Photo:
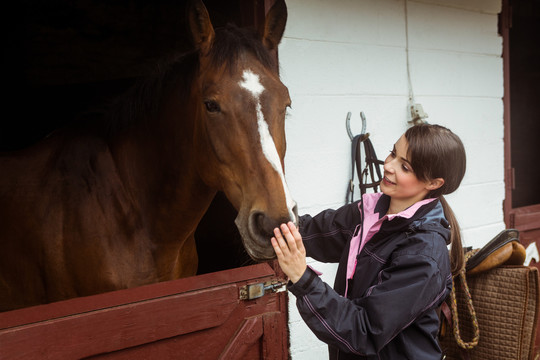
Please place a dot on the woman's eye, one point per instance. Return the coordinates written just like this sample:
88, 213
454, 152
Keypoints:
393, 153
405, 168
212, 106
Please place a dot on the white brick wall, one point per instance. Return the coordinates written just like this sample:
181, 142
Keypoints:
349, 55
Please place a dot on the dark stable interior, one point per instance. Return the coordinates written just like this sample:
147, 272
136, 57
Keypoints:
525, 101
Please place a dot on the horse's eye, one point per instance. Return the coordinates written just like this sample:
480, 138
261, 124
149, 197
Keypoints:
212, 106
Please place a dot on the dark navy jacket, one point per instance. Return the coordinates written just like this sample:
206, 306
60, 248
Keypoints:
401, 278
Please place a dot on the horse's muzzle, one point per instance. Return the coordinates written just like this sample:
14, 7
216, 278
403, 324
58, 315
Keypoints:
258, 232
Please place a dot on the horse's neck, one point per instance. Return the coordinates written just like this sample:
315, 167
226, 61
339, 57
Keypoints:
159, 172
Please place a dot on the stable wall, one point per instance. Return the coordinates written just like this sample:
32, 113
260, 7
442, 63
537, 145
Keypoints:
351, 55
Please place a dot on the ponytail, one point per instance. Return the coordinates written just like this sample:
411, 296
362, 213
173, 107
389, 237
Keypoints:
456, 248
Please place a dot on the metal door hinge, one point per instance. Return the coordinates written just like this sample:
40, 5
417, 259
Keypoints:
255, 291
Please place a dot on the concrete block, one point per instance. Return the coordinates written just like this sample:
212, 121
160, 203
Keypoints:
479, 236
481, 6
441, 28
478, 205
456, 74
342, 69
350, 21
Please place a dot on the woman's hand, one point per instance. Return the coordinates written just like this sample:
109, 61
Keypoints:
290, 251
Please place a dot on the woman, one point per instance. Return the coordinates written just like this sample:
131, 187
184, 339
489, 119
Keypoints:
394, 265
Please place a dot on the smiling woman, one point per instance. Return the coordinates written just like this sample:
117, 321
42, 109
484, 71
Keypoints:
394, 268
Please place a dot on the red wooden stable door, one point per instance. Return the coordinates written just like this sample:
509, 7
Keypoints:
203, 317
520, 30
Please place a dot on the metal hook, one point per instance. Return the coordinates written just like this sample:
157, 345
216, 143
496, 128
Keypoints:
348, 125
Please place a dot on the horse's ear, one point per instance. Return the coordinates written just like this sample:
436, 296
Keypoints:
274, 26
202, 31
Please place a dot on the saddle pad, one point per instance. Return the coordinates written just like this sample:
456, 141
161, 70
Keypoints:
506, 303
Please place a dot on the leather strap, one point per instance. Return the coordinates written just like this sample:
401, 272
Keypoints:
372, 168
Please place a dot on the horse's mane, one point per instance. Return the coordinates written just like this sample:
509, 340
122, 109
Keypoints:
231, 41
143, 100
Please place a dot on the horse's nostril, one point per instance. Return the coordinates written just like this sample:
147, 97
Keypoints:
263, 225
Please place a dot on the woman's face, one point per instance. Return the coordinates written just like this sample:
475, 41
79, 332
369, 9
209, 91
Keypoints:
400, 181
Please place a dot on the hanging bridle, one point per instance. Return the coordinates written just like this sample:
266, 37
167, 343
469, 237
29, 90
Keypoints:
371, 169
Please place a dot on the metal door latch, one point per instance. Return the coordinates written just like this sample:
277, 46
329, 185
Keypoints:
255, 291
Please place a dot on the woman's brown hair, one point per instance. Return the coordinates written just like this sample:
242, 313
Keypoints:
436, 152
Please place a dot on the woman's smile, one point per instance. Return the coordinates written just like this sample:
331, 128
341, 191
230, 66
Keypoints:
388, 182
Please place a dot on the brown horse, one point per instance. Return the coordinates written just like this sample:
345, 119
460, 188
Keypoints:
94, 210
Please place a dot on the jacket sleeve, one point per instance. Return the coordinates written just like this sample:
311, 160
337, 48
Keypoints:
409, 286
326, 234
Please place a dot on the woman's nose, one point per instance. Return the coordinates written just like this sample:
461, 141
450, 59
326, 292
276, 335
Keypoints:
388, 165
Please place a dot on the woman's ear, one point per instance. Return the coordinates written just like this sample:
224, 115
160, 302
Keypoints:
435, 184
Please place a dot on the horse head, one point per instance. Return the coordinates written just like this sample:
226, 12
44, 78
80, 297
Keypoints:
239, 133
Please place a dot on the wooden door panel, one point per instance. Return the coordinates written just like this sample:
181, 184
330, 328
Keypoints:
238, 338
111, 329
526, 218
249, 332
195, 318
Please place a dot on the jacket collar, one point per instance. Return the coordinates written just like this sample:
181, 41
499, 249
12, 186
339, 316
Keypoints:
427, 214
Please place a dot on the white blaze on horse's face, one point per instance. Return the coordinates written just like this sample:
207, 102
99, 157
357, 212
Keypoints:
250, 82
